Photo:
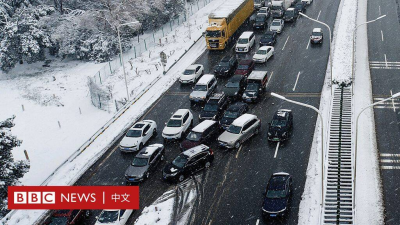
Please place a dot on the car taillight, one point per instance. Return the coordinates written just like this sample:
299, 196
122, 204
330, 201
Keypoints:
211, 152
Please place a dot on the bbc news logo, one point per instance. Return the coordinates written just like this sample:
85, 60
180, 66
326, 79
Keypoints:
73, 197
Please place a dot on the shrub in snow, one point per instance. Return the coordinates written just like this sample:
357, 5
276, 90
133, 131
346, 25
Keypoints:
10, 170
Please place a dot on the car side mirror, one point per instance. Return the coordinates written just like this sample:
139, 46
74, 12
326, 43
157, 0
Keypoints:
165, 123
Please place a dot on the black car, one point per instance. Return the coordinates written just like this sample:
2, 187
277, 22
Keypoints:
235, 87
144, 163
260, 22
226, 66
300, 7
188, 162
290, 15
233, 112
277, 195
214, 107
269, 38
281, 127
204, 133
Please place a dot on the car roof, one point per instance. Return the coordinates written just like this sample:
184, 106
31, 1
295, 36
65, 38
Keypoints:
243, 119
276, 20
205, 79
278, 181
265, 47
269, 32
141, 124
195, 150
201, 127
236, 106
246, 34
235, 78
317, 30
245, 62
281, 113
217, 96
257, 75
193, 67
264, 8
290, 9
179, 113
148, 150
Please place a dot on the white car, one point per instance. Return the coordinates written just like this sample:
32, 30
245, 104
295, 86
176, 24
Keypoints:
245, 41
263, 54
114, 216
308, 2
178, 125
265, 11
192, 74
277, 25
138, 135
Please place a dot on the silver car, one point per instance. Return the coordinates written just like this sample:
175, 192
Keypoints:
144, 163
203, 89
239, 131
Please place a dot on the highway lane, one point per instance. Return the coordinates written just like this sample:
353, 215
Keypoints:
237, 178
383, 44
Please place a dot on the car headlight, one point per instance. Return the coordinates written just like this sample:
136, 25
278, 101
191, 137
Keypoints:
236, 93
245, 49
214, 117
173, 174
190, 97
269, 133
226, 71
203, 97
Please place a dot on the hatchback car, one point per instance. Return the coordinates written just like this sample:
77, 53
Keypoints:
277, 25
226, 66
203, 133
239, 131
245, 67
203, 89
192, 74
138, 135
188, 162
214, 108
316, 36
260, 22
263, 54
235, 87
245, 42
144, 163
178, 125
114, 216
268, 39
277, 195
232, 113
281, 126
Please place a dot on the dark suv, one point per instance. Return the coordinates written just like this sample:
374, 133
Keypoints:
232, 113
203, 133
260, 22
214, 107
300, 7
281, 127
268, 39
144, 163
277, 195
226, 66
235, 87
188, 162
245, 67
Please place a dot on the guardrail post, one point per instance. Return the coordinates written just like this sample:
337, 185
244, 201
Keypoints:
145, 46
170, 25
162, 29
109, 64
154, 39
100, 78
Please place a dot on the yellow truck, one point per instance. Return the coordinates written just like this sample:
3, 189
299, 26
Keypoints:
225, 20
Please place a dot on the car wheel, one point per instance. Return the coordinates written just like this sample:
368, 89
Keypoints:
208, 164
154, 132
181, 178
237, 145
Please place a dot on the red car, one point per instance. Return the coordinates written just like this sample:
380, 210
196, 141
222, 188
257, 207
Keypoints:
67, 217
245, 67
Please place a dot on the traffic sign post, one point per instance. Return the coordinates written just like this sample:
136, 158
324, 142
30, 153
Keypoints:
163, 57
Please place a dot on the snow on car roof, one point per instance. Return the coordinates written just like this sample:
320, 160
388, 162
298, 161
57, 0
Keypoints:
193, 67
257, 75
290, 9
246, 34
201, 127
195, 150
205, 79
276, 20
179, 113
317, 30
138, 125
226, 9
243, 119
149, 150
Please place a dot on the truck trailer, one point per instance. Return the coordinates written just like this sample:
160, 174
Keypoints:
224, 21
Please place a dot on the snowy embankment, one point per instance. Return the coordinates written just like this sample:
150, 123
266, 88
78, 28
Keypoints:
369, 199
49, 145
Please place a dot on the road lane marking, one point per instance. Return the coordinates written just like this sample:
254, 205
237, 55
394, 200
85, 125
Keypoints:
384, 65
308, 44
382, 34
276, 150
258, 221
380, 10
389, 155
390, 167
386, 61
285, 43
319, 14
237, 154
297, 79
389, 161
270, 78
394, 108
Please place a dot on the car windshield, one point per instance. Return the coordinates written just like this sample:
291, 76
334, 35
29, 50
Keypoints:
260, 18
59, 221
316, 34
139, 162
188, 72
211, 107
267, 36
243, 41
194, 136
174, 123
223, 64
180, 161
278, 123
234, 129
243, 67
275, 23
289, 13
276, 193
275, 7
262, 11
200, 88
252, 87
213, 33
261, 52
134, 133
231, 114
108, 216
232, 85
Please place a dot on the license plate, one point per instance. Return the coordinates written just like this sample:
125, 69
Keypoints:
213, 45
127, 149
132, 179
257, 27
272, 215
276, 139
240, 49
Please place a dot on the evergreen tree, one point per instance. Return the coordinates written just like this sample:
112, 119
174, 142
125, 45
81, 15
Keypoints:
10, 170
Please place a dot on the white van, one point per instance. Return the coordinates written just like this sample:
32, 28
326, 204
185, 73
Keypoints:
203, 89
245, 42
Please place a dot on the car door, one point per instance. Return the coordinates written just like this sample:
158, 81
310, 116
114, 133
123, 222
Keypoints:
146, 133
252, 128
185, 122
191, 166
245, 132
269, 53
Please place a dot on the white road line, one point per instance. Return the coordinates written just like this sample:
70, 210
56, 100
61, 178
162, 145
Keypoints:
391, 94
308, 44
386, 61
258, 221
319, 14
269, 79
390, 167
237, 154
285, 43
389, 155
389, 161
382, 34
380, 10
276, 150
297, 79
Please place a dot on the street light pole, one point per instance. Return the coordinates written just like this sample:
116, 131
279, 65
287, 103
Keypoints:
354, 44
187, 18
322, 138
356, 144
122, 58
330, 41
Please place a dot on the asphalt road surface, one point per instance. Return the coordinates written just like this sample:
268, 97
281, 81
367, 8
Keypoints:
233, 186
384, 45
